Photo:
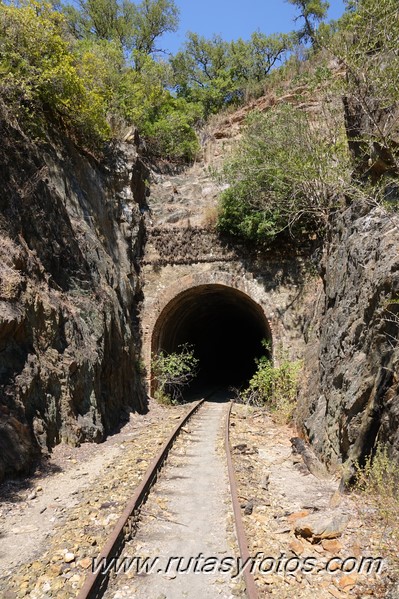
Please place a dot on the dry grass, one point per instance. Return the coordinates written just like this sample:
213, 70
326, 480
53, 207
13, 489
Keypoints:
9, 251
10, 277
210, 216
378, 485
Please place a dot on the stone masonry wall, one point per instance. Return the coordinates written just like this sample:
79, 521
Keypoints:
178, 259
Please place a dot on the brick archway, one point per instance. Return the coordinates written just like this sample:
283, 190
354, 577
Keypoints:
245, 291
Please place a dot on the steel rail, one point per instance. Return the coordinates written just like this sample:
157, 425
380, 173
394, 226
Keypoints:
250, 586
96, 582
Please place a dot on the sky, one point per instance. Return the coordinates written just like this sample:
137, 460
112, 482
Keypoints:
232, 19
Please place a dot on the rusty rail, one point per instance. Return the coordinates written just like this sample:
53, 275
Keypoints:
250, 586
96, 582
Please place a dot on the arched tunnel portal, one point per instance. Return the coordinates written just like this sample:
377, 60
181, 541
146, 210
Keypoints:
225, 326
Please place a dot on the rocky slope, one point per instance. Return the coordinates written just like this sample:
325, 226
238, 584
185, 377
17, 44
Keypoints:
70, 237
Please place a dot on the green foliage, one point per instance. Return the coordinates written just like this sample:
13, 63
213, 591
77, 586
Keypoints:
174, 371
137, 27
237, 217
201, 72
153, 18
318, 77
253, 60
216, 73
86, 84
95, 68
101, 19
367, 44
172, 134
274, 386
39, 71
139, 98
286, 174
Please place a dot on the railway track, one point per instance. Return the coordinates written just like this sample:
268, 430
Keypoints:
173, 535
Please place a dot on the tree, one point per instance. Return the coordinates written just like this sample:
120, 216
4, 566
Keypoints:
40, 74
312, 12
202, 74
253, 60
171, 134
153, 18
217, 73
137, 27
102, 19
86, 85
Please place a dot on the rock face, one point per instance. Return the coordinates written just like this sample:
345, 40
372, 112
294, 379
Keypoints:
70, 238
350, 400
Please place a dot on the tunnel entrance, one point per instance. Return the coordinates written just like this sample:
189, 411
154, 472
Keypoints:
225, 326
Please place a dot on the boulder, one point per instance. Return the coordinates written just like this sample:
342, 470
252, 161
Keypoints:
321, 526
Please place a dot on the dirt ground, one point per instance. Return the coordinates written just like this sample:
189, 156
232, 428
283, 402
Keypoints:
280, 495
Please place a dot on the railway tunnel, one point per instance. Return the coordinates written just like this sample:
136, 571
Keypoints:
225, 326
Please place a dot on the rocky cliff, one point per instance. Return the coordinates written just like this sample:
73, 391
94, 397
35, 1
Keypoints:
351, 399
70, 239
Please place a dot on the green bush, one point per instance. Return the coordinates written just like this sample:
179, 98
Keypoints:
39, 71
285, 176
274, 386
171, 133
87, 84
236, 218
174, 371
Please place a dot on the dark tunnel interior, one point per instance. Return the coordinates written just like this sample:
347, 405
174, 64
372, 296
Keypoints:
225, 326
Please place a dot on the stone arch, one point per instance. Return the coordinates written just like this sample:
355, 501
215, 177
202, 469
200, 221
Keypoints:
242, 294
